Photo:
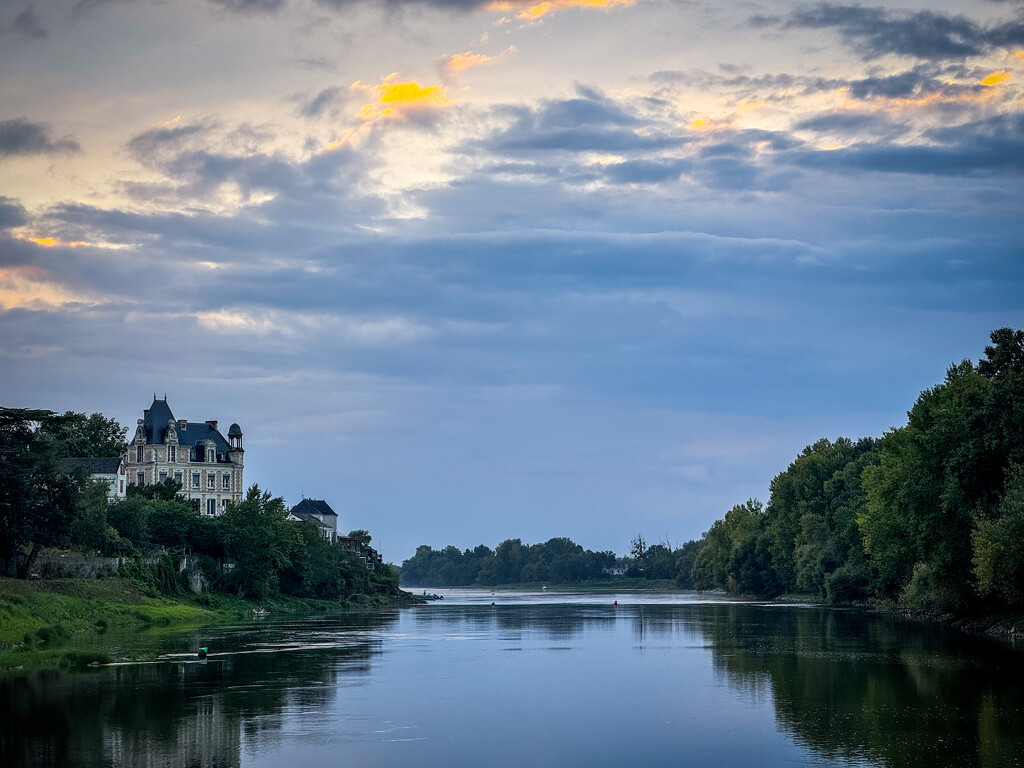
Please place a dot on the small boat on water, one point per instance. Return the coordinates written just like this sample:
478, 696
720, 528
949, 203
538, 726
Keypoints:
426, 596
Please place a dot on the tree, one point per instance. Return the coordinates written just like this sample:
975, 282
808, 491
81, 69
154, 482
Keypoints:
999, 545
258, 540
638, 547
362, 536
76, 434
37, 497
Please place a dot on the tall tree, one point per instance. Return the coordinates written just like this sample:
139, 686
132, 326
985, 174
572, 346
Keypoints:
258, 540
37, 497
75, 434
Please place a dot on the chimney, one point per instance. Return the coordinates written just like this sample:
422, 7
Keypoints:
213, 423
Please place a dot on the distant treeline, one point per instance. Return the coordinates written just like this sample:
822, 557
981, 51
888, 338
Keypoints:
930, 515
558, 560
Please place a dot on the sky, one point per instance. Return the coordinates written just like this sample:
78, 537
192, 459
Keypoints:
479, 269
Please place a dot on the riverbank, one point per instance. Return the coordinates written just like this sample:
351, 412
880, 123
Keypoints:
38, 619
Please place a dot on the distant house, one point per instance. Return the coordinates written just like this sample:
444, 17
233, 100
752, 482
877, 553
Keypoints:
112, 471
318, 512
370, 557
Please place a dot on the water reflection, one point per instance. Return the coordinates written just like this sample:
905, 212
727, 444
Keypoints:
184, 712
517, 683
851, 686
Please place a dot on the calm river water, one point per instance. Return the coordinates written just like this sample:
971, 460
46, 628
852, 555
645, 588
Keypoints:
538, 679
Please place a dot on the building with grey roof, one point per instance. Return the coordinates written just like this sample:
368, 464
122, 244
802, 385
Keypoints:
111, 471
195, 454
318, 512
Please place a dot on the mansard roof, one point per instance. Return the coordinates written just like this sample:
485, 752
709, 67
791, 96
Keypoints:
195, 433
313, 507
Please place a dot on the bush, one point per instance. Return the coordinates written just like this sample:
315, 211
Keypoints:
928, 593
847, 584
52, 635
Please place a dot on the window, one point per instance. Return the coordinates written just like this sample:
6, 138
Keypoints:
138, 454
177, 477
172, 453
163, 476
195, 479
223, 505
122, 486
211, 506
140, 478
226, 482
211, 481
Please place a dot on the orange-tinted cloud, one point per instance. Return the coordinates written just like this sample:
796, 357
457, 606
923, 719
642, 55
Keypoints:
537, 10
25, 286
463, 61
53, 242
459, 62
707, 124
996, 78
395, 99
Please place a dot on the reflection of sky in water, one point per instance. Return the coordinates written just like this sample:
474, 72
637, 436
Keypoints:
538, 679
541, 680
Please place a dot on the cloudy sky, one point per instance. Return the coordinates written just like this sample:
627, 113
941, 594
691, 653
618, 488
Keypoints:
477, 269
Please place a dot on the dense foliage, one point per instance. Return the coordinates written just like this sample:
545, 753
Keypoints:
558, 560
931, 515
251, 550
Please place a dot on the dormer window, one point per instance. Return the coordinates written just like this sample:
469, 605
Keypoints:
172, 453
138, 454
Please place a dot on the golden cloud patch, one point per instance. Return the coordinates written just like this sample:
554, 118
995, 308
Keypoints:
537, 10
393, 98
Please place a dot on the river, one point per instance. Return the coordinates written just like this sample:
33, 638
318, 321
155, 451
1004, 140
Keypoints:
536, 679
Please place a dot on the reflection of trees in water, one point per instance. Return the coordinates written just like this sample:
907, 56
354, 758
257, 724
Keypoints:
852, 686
174, 714
556, 622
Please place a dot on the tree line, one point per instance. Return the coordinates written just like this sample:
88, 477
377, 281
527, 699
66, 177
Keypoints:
930, 515
557, 560
251, 550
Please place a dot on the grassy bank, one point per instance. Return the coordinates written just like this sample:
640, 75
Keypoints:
38, 618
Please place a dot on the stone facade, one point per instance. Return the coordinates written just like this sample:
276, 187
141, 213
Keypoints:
195, 454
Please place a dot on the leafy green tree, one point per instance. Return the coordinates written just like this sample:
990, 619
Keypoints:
999, 545
37, 496
362, 536
258, 540
75, 434
89, 526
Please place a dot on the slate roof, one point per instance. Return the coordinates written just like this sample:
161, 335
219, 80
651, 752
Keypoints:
313, 507
103, 466
155, 420
308, 518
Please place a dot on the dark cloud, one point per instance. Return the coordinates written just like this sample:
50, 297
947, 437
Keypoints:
28, 24
12, 213
850, 123
250, 6
874, 32
21, 137
327, 102
912, 83
591, 122
993, 147
645, 171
